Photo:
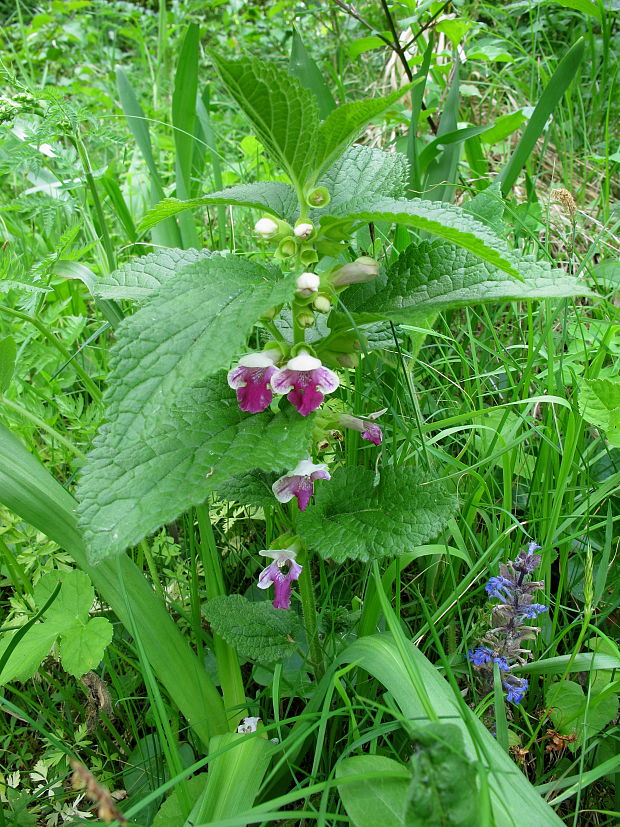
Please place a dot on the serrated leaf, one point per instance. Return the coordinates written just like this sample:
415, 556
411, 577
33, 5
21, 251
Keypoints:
354, 519
256, 630
250, 488
364, 171
344, 124
432, 276
191, 327
599, 403
131, 487
139, 278
443, 220
284, 115
272, 196
82, 646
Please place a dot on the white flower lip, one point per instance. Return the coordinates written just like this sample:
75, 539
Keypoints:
304, 362
303, 230
305, 468
266, 227
308, 283
279, 553
256, 360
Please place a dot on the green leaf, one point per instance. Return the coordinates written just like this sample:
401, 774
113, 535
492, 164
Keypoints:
431, 276
285, 116
443, 783
354, 519
172, 813
309, 75
572, 712
256, 630
184, 124
599, 403
139, 278
370, 801
82, 647
132, 486
345, 123
250, 488
364, 171
443, 220
271, 196
28, 654
8, 353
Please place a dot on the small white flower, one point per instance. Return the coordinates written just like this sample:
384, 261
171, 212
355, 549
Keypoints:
303, 231
247, 725
266, 227
307, 284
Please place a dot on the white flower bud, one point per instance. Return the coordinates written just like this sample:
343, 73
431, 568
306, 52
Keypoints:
322, 304
303, 231
265, 228
307, 284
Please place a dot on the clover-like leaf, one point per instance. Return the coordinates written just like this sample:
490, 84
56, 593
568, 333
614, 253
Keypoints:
355, 519
256, 630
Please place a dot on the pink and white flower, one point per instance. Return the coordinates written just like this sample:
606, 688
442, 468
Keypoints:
305, 380
300, 483
251, 379
281, 573
369, 430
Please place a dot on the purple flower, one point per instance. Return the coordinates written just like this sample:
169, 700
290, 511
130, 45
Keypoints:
499, 587
502, 663
533, 610
515, 688
368, 430
300, 483
480, 655
527, 561
251, 380
281, 573
305, 381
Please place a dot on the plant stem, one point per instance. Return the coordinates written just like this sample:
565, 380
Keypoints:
308, 606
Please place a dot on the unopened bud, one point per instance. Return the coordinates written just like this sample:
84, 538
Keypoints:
305, 318
303, 231
318, 197
362, 269
307, 284
322, 304
266, 228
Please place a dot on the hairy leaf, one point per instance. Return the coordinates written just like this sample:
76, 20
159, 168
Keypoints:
255, 630
365, 171
132, 486
599, 402
443, 220
284, 115
354, 519
432, 276
139, 278
250, 488
272, 196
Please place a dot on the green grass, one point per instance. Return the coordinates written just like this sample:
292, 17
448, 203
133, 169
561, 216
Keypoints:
489, 393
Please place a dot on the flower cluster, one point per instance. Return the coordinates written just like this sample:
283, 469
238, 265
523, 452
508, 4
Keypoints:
297, 373
503, 643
